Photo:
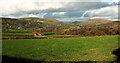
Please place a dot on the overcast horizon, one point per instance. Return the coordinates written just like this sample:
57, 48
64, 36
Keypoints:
68, 10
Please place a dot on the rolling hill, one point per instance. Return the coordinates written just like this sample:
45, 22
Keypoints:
28, 23
51, 19
41, 19
97, 20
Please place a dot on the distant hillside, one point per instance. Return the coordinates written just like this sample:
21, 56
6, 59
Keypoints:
51, 19
29, 22
98, 20
43, 19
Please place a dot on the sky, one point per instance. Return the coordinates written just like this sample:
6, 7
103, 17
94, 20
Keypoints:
63, 10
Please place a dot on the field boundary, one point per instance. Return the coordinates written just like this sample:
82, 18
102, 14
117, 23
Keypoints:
56, 37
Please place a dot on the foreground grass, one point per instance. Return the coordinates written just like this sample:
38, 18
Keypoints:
63, 49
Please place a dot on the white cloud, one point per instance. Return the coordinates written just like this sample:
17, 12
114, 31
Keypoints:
58, 13
115, 1
15, 6
62, 12
106, 12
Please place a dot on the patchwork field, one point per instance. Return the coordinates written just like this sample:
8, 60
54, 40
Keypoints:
62, 49
30, 35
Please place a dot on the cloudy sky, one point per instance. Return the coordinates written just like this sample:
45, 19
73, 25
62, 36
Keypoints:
63, 10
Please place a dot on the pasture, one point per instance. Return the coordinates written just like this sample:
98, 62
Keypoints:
62, 49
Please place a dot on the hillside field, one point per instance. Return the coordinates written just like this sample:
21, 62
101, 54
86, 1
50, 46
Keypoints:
62, 49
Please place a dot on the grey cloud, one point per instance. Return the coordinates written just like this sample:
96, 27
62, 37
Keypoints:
72, 9
66, 7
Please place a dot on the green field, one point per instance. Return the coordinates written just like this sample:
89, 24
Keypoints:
62, 49
18, 33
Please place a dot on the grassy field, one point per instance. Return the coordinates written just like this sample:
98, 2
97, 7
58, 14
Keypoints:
21, 30
18, 33
62, 49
